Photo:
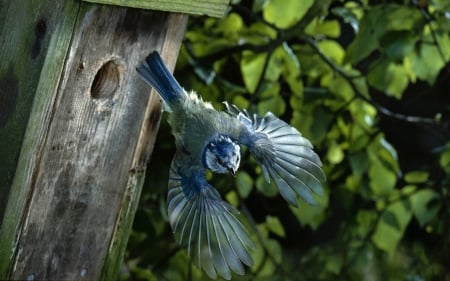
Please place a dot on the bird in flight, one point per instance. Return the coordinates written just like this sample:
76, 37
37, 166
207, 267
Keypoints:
206, 139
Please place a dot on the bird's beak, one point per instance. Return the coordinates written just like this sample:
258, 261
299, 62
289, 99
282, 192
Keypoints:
232, 171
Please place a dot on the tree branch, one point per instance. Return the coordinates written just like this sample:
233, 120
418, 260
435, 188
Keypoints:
383, 110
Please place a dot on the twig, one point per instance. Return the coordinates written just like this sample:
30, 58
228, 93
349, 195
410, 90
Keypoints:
383, 110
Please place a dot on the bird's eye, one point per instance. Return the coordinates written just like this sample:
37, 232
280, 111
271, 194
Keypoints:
218, 160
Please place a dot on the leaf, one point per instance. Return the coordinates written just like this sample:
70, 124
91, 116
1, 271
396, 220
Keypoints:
334, 263
267, 189
341, 88
244, 183
376, 23
358, 162
421, 205
259, 33
444, 159
232, 198
382, 180
416, 177
389, 78
382, 151
143, 274
240, 101
285, 13
274, 249
230, 25
258, 5
313, 125
335, 153
311, 215
397, 44
372, 27
426, 61
390, 219
348, 16
333, 50
275, 226
251, 69
291, 69
402, 17
329, 28
391, 227
274, 104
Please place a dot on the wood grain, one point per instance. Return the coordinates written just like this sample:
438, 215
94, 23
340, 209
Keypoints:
82, 186
212, 8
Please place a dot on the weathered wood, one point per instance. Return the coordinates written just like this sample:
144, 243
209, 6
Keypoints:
213, 8
89, 136
37, 45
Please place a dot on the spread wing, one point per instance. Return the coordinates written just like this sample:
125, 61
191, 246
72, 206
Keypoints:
285, 155
204, 224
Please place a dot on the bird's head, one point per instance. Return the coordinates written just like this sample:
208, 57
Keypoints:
222, 155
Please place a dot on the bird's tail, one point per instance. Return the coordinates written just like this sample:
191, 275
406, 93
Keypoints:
154, 72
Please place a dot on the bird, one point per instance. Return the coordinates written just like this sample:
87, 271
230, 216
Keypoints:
204, 224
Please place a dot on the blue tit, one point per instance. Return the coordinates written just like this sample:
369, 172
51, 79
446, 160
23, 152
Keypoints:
203, 223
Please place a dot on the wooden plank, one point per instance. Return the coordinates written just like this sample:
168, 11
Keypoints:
213, 8
146, 140
81, 187
43, 28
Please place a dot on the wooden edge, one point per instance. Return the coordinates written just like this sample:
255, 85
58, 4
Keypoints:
212, 8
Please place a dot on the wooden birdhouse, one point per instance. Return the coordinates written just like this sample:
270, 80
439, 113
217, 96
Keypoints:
77, 127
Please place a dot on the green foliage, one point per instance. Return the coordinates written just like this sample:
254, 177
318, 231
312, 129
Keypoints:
345, 74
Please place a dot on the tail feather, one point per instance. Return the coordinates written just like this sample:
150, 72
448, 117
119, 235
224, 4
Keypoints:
155, 73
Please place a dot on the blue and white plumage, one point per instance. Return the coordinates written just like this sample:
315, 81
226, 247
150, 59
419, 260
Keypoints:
203, 223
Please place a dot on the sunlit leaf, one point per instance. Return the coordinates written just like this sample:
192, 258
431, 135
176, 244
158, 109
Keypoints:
232, 198
416, 177
341, 87
426, 60
275, 226
252, 68
333, 50
390, 228
335, 153
330, 28
259, 33
241, 101
285, 13
230, 24
275, 104
382, 180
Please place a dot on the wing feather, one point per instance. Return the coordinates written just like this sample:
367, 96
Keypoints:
285, 155
205, 225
